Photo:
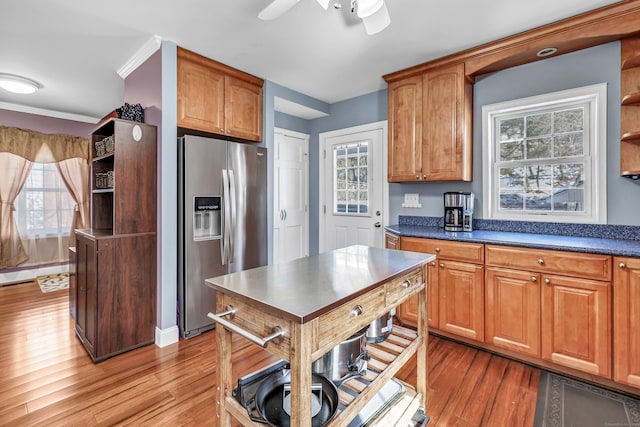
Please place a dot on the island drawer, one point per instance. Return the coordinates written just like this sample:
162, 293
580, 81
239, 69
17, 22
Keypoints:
257, 322
402, 287
445, 249
574, 264
349, 318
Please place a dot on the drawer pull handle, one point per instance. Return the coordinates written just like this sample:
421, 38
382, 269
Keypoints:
276, 331
441, 265
356, 311
540, 261
437, 249
621, 265
406, 283
534, 279
547, 281
433, 263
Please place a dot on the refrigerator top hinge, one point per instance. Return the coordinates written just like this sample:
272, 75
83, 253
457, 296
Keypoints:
324, 154
325, 209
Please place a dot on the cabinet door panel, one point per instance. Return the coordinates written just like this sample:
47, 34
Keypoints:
200, 96
243, 109
513, 310
576, 323
626, 322
445, 140
461, 294
405, 130
432, 291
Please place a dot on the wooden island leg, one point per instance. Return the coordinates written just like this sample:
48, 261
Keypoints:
421, 365
301, 375
224, 383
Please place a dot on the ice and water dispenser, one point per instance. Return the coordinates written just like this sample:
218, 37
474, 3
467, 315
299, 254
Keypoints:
206, 217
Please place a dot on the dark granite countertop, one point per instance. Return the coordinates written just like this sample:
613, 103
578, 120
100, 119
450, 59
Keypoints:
596, 245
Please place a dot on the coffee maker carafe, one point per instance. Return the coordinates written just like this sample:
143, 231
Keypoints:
458, 211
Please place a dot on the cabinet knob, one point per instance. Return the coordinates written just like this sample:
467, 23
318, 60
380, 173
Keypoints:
441, 265
621, 265
356, 311
534, 279
433, 263
437, 249
540, 261
406, 283
417, 176
547, 281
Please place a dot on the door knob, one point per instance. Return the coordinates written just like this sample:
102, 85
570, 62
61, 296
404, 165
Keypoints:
377, 224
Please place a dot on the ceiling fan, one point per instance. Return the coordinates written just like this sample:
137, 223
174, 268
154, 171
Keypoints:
374, 13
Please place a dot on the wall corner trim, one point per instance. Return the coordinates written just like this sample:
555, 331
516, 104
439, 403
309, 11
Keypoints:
138, 58
165, 337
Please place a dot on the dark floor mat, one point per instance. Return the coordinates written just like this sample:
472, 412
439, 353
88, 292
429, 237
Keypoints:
563, 402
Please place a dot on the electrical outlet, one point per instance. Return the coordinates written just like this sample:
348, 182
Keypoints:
411, 200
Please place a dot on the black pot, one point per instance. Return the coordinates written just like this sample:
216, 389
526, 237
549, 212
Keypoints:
272, 395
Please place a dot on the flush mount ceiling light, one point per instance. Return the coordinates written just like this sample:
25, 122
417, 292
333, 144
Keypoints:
546, 52
374, 13
18, 84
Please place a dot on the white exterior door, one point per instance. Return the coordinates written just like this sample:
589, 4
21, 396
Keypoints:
353, 186
291, 196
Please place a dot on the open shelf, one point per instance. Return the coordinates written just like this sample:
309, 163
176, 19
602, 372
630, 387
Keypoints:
631, 99
631, 136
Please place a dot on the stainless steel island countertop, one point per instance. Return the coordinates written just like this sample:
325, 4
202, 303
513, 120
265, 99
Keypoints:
306, 288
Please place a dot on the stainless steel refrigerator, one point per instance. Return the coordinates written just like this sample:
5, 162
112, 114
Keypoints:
222, 220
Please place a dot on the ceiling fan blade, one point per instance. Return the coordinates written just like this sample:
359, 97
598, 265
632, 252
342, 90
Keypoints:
276, 8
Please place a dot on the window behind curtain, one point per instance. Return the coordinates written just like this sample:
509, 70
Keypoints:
44, 206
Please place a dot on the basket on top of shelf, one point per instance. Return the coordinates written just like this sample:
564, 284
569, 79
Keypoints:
105, 180
104, 146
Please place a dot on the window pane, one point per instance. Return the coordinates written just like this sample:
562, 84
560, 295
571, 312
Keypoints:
569, 199
568, 175
351, 174
539, 176
511, 200
569, 144
511, 178
538, 125
569, 120
511, 151
512, 129
537, 200
539, 148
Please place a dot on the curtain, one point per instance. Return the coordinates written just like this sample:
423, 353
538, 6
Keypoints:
75, 174
19, 149
17, 170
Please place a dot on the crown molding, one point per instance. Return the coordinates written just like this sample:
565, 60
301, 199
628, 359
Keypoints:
49, 113
146, 50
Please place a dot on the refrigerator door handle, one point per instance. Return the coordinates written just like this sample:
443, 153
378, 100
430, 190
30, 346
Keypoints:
225, 217
232, 226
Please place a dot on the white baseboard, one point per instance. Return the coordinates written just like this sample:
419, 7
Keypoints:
28, 275
165, 337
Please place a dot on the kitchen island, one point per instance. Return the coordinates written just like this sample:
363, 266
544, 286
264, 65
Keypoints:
301, 309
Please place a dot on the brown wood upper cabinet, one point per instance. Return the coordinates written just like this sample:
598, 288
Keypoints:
218, 99
430, 116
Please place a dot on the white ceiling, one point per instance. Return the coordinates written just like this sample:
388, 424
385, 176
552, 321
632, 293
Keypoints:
75, 48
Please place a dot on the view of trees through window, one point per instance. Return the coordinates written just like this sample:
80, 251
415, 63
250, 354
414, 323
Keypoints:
44, 206
351, 179
540, 161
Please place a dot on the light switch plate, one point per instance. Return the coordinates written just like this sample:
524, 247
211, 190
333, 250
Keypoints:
411, 200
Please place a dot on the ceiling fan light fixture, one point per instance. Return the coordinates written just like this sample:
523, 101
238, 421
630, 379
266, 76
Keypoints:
324, 4
367, 8
377, 22
18, 84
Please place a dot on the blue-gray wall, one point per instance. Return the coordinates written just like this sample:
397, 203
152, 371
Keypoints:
590, 66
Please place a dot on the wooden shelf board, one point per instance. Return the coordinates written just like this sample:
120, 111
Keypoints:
103, 190
631, 63
631, 99
108, 156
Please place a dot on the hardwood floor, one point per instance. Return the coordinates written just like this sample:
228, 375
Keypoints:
46, 377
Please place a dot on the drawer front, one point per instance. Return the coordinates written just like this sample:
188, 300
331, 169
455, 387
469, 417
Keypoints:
258, 323
574, 264
349, 318
401, 288
445, 249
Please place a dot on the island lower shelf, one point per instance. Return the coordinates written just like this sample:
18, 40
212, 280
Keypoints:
386, 360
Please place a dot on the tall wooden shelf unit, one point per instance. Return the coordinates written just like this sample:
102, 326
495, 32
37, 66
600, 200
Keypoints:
116, 256
630, 108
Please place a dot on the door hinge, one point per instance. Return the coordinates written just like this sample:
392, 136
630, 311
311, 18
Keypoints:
325, 209
324, 154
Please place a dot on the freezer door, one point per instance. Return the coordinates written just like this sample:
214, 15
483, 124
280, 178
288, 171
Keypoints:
201, 163
248, 183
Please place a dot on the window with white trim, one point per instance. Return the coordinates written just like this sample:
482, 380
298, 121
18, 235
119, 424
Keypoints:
545, 157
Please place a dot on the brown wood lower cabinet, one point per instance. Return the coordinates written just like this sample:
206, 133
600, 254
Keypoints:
626, 321
461, 299
512, 313
576, 323
115, 292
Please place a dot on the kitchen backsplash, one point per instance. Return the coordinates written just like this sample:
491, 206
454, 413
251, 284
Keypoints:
603, 231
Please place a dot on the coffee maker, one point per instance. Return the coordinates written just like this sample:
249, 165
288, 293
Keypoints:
458, 211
